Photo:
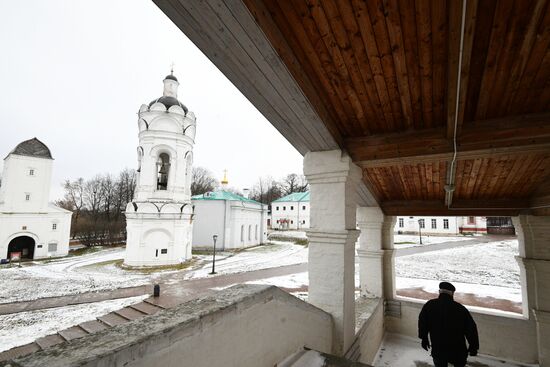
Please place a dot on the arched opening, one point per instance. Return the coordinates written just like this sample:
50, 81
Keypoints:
163, 170
24, 245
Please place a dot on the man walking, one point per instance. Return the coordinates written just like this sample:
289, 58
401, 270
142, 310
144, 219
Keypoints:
448, 324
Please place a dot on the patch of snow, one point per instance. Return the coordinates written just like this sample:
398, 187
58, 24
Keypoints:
491, 264
25, 327
426, 240
279, 253
66, 276
480, 290
292, 281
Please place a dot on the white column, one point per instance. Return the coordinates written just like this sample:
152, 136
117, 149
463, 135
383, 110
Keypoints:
332, 235
534, 258
369, 221
389, 264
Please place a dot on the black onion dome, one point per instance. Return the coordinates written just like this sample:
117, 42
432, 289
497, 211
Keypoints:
32, 148
171, 77
169, 102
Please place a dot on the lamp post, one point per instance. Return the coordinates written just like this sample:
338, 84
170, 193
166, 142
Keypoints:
420, 229
214, 237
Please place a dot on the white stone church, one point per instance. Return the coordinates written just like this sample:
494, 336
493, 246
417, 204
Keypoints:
159, 219
30, 226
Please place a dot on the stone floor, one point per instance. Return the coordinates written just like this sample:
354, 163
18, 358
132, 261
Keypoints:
399, 351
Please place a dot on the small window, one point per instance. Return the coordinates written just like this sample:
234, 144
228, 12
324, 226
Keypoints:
303, 222
31, 172
303, 207
471, 220
284, 207
292, 208
256, 232
434, 223
164, 251
24, 228
421, 223
52, 247
27, 197
401, 222
277, 220
249, 232
291, 222
242, 233
38, 246
445, 223
54, 226
277, 208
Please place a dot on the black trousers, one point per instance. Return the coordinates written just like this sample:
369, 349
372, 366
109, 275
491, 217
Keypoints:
438, 362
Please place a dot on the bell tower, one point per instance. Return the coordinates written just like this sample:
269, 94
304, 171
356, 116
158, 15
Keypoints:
159, 219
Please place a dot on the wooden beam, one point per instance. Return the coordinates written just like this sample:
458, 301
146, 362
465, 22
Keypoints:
459, 207
455, 30
528, 133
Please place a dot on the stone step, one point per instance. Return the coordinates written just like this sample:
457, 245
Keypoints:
112, 319
146, 308
19, 351
72, 333
93, 326
49, 340
130, 313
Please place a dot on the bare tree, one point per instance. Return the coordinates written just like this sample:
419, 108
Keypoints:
266, 190
73, 200
294, 183
202, 181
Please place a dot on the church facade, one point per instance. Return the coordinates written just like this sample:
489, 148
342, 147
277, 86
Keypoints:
30, 226
159, 219
237, 221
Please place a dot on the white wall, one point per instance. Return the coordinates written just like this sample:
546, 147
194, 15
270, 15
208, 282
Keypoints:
40, 228
245, 217
209, 219
513, 338
410, 225
17, 182
293, 211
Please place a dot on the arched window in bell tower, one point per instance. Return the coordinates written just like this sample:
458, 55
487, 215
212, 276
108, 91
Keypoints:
163, 170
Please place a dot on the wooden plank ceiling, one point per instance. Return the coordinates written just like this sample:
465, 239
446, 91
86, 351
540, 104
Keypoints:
387, 72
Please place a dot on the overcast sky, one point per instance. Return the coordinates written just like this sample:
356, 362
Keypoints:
73, 73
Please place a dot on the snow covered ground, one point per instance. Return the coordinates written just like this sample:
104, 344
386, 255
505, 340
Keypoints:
485, 270
407, 240
25, 327
289, 234
71, 275
277, 253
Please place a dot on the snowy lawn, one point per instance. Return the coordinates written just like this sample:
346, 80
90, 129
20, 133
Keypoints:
408, 240
277, 253
484, 270
289, 234
25, 327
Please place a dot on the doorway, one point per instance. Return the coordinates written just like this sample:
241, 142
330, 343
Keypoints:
23, 245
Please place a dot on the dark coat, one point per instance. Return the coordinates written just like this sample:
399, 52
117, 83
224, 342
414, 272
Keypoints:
448, 323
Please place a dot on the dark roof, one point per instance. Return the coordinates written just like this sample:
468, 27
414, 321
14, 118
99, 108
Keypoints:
32, 148
169, 102
172, 77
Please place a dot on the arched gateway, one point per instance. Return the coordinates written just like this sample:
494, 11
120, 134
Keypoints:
24, 245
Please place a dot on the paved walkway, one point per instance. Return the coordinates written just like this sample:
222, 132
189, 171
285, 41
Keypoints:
173, 290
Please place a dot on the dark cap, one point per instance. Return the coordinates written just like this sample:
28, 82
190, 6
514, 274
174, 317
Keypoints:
448, 286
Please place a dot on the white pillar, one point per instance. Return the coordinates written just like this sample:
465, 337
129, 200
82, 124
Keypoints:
534, 257
369, 221
333, 178
388, 264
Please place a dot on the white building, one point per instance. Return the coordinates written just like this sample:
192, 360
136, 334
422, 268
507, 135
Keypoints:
441, 225
239, 222
30, 226
159, 220
291, 211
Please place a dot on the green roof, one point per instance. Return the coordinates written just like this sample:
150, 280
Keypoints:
296, 197
223, 195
